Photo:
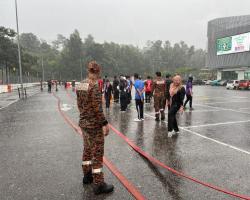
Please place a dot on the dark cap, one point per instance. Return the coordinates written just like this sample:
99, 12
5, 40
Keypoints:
94, 67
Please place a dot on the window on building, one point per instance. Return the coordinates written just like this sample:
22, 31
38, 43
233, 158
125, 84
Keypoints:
230, 75
247, 75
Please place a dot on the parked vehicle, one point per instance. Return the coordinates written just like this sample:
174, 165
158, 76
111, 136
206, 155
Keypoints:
244, 84
208, 82
223, 82
234, 84
198, 82
215, 83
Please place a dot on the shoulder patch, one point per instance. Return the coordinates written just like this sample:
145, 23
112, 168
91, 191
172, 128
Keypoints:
160, 82
83, 86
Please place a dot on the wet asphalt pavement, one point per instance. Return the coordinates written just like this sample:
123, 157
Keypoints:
41, 154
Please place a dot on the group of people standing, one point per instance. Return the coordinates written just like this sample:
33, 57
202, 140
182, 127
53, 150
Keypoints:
166, 92
120, 90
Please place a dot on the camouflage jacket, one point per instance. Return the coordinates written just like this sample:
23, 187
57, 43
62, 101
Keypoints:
89, 102
159, 87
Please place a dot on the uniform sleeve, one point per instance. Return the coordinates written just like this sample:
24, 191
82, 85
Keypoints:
97, 106
182, 95
153, 87
167, 91
79, 101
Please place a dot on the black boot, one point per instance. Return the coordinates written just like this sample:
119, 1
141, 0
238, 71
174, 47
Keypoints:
103, 188
162, 116
157, 117
88, 178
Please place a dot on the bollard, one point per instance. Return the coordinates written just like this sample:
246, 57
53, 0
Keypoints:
25, 93
18, 89
9, 88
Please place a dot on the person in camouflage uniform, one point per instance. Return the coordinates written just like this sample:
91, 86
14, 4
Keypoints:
159, 89
94, 127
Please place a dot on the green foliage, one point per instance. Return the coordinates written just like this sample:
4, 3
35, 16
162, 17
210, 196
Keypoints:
67, 58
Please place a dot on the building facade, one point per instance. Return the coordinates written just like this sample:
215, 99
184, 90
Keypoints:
228, 47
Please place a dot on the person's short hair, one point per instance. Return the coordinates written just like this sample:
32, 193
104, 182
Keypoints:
168, 75
115, 77
136, 75
93, 67
158, 73
148, 77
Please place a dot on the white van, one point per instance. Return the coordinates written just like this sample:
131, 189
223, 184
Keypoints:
234, 84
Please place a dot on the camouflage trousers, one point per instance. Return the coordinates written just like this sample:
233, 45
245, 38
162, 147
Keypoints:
92, 158
159, 105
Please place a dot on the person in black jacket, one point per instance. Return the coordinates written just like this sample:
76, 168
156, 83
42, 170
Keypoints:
108, 90
177, 95
116, 89
168, 83
123, 94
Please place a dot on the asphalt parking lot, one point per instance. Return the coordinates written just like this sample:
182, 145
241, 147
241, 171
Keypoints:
41, 154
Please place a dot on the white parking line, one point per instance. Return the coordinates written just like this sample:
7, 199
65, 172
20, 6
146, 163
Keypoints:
9, 104
227, 109
200, 111
222, 102
208, 97
244, 108
217, 124
208, 138
18, 100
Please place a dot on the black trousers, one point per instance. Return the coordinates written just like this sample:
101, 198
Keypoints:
116, 96
123, 101
148, 97
107, 99
172, 122
139, 107
189, 99
129, 97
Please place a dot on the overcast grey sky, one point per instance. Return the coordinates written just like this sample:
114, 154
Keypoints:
121, 21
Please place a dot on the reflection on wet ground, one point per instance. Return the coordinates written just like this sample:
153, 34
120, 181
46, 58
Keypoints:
198, 151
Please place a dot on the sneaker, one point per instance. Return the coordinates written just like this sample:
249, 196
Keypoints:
157, 119
142, 119
163, 118
170, 133
175, 133
137, 120
191, 109
103, 188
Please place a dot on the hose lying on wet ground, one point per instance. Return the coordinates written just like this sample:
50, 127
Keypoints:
159, 163
129, 186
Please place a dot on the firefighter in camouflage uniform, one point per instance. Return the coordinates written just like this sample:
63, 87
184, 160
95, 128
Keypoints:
94, 128
159, 92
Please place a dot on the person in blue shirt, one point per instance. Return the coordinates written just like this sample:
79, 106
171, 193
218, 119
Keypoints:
139, 97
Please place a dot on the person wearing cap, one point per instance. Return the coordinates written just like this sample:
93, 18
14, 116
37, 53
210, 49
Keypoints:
94, 127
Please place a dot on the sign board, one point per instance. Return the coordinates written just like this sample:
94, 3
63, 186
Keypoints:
233, 44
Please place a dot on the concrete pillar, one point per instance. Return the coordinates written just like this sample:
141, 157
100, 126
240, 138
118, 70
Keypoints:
219, 75
240, 75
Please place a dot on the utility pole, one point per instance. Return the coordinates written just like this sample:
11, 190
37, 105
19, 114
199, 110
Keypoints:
81, 67
19, 53
43, 70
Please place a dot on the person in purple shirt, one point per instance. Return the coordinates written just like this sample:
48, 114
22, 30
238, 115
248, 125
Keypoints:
189, 93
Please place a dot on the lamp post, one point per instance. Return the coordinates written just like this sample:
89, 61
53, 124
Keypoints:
19, 52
